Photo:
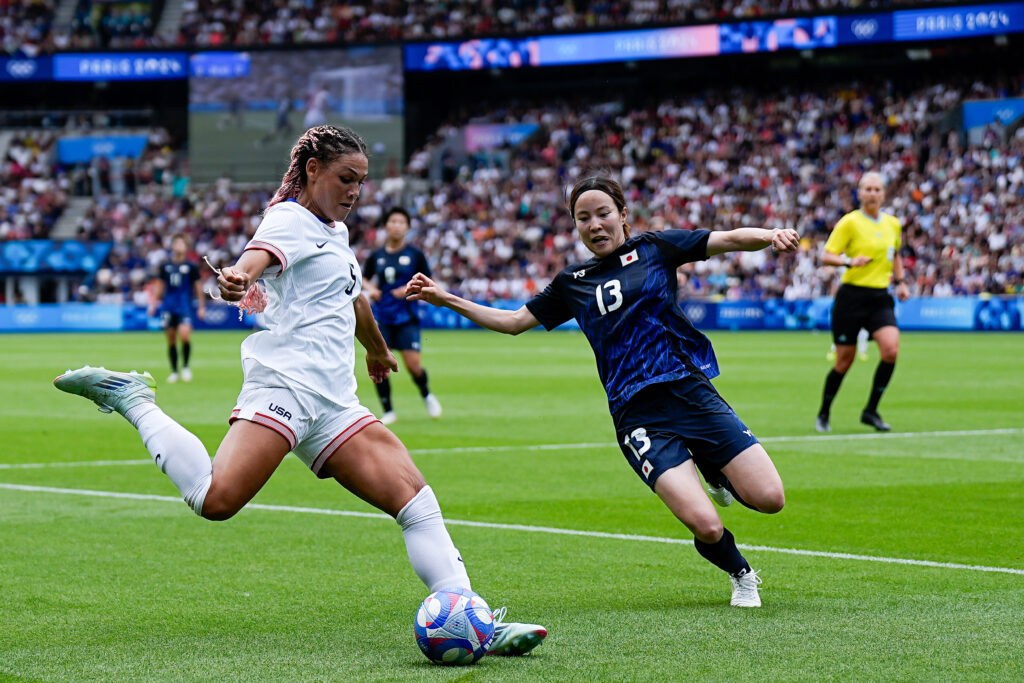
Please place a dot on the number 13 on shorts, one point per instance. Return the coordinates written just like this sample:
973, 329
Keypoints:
639, 435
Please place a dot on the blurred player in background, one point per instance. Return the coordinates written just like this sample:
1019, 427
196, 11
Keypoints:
655, 365
392, 266
299, 389
282, 125
175, 291
316, 107
867, 242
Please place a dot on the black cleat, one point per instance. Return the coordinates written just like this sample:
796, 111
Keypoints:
821, 424
875, 420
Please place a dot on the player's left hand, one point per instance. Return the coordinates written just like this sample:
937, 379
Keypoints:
201, 313
785, 240
380, 365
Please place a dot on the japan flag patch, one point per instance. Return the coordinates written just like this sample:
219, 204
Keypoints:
631, 257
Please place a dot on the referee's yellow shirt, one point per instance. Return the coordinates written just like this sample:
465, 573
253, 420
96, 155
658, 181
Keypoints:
857, 234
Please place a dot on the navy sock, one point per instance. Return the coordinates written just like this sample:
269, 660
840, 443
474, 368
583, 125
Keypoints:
832, 383
384, 392
421, 382
883, 373
172, 353
724, 554
186, 351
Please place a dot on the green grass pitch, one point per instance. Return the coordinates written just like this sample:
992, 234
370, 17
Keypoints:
119, 588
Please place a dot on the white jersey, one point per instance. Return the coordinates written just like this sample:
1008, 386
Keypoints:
310, 316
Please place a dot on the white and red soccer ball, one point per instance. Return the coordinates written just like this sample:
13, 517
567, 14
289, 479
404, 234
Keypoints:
454, 626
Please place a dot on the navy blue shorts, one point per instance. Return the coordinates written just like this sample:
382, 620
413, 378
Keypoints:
405, 337
666, 424
171, 320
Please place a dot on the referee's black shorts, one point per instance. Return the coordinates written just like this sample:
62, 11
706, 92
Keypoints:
860, 307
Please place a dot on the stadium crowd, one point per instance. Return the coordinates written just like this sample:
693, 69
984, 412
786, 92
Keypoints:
494, 225
28, 27
33, 192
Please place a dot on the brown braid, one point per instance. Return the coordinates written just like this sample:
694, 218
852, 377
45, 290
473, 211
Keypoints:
325, 143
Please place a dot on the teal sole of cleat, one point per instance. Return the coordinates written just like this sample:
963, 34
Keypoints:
521, 645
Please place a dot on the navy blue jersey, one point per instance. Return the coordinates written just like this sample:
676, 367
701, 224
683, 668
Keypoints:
179, 286
391, 270
627, 306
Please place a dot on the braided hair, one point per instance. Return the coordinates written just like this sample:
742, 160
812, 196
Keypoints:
325, 143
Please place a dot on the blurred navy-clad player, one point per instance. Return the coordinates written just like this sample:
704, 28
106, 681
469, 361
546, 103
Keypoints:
177, 288
655, 365
385, 275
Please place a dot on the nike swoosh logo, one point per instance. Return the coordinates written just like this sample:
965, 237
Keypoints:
320, 245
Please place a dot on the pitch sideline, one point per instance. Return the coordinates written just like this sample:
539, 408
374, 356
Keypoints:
533, 529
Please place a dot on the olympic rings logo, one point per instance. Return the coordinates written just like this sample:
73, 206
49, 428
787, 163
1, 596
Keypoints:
21, 68
864, 28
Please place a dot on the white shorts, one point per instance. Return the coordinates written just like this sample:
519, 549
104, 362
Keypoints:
313, 426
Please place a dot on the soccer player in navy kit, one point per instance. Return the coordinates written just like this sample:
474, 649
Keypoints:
178, 286
385, 275
655, 365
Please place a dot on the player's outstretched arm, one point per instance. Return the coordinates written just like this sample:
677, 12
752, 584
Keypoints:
422, 288
753, 239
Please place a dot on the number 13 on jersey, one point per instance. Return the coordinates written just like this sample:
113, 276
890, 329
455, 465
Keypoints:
614, 292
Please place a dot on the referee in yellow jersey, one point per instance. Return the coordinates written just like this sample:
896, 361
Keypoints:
867, 242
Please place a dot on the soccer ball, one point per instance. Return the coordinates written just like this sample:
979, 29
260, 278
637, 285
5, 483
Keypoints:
454, 626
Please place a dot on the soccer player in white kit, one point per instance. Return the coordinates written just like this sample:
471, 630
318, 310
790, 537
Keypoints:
299, 390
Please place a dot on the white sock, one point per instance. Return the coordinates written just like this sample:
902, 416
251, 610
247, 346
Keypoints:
177, 452
434, 557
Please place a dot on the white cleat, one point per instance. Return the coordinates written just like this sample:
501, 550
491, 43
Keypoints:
389, 418
744, 589
512, 639
108, 389
721, 496
172, 378
186, 375
433, 406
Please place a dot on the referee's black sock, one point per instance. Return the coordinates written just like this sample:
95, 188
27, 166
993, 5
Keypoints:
384, 392
883, 373
421, 382
172, 353
724, 554
832, 383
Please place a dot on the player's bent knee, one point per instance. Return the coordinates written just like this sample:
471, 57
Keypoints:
707, 529
218, 507
773, 502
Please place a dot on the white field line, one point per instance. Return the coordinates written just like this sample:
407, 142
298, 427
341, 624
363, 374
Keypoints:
767, 439
594, 444
74, 463
533, 529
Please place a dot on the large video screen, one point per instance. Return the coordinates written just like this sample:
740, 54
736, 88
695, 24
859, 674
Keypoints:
246, 109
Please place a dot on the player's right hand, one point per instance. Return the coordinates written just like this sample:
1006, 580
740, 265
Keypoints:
232, 283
